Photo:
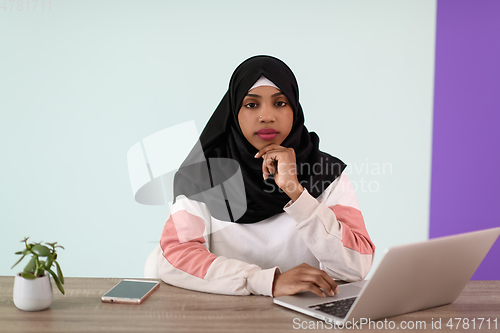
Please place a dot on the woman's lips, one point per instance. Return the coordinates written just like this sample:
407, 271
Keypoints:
267, 134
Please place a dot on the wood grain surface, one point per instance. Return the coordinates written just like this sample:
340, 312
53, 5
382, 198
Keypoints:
172, 309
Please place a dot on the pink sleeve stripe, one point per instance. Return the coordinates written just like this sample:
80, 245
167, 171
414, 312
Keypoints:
181, 244
354, 234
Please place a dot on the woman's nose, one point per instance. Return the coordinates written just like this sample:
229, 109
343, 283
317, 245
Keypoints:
267, 115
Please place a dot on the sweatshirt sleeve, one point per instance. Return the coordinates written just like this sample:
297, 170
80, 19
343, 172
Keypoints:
334, 230
186, 260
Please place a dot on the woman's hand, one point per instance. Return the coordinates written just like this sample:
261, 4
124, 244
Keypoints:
280, 162
301, 278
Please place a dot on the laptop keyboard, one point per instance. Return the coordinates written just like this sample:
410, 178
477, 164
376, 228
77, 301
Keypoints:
336, 308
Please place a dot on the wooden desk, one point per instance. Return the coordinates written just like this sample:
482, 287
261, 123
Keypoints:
172, 309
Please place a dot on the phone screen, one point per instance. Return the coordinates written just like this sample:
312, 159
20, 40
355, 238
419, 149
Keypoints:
129, 289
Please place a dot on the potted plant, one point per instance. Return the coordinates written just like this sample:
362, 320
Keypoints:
32, 288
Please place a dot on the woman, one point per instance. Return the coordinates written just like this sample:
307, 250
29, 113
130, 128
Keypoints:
259, 208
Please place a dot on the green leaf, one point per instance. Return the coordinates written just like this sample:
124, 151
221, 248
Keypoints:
38, 271
18, 261
57, 281
49, 261
25, 241
19, 252
30, 267
59, 272
28, 276
40, 268
41, 250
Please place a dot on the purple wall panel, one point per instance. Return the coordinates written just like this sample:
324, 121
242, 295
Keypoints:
465, 191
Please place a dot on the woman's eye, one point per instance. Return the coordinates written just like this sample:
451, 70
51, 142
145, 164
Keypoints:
251, 105
280, 103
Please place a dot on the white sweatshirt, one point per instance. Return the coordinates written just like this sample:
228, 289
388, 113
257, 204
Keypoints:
202, 253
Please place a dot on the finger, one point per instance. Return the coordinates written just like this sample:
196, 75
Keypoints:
322, 283
309, 286
326, 283
321, 278
271, 164
266, 167
266, 149
265, 171
330, 281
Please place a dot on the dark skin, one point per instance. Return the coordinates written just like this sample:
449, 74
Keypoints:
265, 107
304, 278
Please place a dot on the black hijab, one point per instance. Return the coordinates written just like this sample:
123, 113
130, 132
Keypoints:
212, 172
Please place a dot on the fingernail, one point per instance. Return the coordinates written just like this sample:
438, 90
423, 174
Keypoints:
323, 294
337, 290
256, 155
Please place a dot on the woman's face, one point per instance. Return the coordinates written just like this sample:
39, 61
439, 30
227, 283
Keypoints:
265, 117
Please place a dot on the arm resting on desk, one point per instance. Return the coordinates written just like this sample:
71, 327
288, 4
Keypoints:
187, 262
334, 230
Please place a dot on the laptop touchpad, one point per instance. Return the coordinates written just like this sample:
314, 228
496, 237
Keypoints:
348, 290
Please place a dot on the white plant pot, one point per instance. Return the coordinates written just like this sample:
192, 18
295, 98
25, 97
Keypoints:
32, 295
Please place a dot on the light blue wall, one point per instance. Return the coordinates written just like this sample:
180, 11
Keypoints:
83, 82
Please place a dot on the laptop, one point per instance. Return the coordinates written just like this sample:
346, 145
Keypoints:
409, 278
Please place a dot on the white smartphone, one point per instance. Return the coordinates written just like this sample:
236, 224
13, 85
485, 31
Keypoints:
130, 291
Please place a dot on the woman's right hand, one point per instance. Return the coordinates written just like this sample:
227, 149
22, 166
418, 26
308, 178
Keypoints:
304, 278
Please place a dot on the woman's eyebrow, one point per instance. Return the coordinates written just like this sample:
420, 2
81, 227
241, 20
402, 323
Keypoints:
258, 96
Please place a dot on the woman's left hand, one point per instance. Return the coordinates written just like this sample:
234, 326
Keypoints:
281, 162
